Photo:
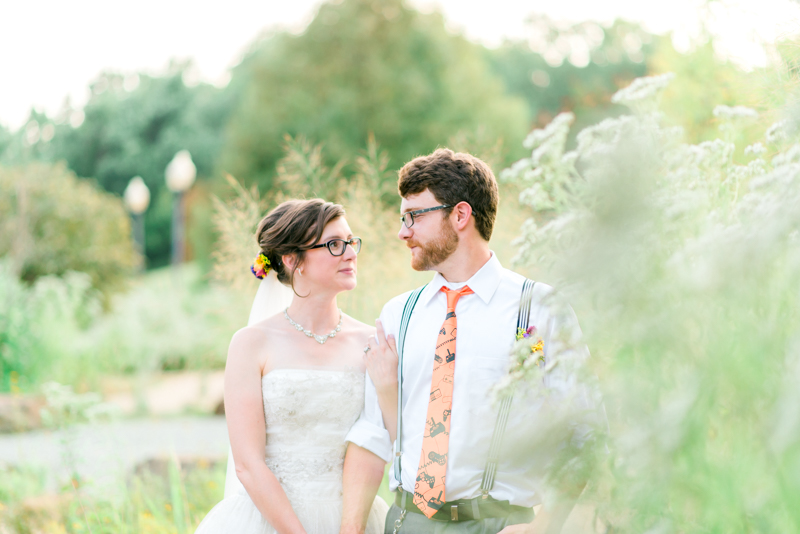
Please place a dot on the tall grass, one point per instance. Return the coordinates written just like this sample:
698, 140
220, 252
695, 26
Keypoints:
373, 213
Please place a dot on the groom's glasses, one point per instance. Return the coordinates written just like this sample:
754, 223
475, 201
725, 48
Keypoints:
408, 217
337, 246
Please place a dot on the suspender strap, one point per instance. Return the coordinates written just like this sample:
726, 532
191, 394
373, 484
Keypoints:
523, 318
398, 442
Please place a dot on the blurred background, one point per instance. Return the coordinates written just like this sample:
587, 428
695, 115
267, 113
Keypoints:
140, 145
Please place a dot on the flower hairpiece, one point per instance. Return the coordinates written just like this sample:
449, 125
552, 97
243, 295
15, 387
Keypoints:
261, 266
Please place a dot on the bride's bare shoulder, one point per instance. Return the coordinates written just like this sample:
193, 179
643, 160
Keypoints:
256, 341
357, 329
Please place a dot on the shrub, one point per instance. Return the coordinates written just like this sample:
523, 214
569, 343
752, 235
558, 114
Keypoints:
169, 320
39, 325
53, 222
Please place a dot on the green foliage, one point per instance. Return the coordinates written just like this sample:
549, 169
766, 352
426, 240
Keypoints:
171, 319
683, 266
364, 67
302, 171
65, 408
538, 70
235, 220
54, 222
18, 483
163, 498
133, 127
39, 325
707, 82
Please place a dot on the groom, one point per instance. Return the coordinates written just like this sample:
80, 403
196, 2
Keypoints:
449, 204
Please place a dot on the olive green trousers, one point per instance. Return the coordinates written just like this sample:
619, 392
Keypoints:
419, 524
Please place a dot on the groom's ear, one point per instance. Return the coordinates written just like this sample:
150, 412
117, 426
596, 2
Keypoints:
463, 214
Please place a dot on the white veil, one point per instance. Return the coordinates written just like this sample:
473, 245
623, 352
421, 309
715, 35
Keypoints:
272, 297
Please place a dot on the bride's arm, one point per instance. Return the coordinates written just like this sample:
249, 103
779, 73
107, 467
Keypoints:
244, 411
361, 478
381, 361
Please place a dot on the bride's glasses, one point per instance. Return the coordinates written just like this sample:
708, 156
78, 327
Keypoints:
337, 246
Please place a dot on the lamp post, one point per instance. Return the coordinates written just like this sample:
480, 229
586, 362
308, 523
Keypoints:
137, 199
180, 175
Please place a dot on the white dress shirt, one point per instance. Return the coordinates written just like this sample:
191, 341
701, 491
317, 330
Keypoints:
487, 323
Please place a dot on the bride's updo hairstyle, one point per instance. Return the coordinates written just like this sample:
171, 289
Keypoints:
290, 229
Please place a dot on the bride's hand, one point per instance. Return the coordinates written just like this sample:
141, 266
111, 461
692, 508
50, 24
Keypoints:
381, 360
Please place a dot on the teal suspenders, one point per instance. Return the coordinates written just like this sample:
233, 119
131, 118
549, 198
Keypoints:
489, 472
398, 443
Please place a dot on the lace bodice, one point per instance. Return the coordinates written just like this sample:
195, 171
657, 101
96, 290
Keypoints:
308, 413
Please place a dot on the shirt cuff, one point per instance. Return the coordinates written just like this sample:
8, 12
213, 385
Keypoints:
371, 437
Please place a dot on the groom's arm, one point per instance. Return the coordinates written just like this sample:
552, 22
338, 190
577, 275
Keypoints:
564, 346
361, 478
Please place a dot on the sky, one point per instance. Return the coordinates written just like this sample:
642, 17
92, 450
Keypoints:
51, 50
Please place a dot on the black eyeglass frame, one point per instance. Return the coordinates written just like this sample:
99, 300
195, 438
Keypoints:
420, 212
354, 242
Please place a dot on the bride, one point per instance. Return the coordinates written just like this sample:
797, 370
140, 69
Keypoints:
294, 381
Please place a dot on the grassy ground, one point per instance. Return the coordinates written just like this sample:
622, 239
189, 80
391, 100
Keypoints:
161, 497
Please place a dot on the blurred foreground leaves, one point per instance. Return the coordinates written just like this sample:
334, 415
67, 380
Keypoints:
684, 266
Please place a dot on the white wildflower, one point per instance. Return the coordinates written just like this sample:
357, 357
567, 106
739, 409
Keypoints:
777, 132
558, 128
603, 136
735, 112
756, 149
642, 91
792, 155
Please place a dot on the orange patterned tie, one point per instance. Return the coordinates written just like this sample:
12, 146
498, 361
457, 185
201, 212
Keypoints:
429, 493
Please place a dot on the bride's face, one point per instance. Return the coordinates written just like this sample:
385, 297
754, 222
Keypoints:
323, 270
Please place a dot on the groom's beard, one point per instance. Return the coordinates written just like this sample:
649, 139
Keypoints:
436, 250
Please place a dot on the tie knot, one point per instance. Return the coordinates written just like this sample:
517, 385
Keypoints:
454, 294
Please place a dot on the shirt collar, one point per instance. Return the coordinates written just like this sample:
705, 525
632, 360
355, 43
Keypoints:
484, 282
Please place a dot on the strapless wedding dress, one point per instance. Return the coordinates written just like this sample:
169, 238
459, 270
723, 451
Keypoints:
308, 414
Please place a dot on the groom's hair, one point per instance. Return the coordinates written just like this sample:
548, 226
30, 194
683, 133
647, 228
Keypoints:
454, 177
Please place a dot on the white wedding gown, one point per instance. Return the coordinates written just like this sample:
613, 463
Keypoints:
308, 414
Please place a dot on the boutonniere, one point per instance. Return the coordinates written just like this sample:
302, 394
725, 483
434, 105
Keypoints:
529, 348
527, 360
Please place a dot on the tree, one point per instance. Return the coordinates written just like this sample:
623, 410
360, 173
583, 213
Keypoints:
133, 126
54, 222
574, 68
364, 67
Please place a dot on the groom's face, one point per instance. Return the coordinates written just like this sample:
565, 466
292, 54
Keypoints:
431, 238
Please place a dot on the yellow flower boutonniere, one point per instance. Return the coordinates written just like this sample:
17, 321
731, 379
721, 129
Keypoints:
525, 342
